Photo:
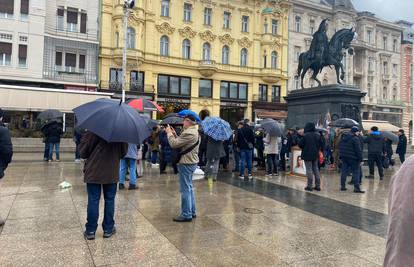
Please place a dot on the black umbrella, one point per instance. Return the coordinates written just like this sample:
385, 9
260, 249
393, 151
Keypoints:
344, 123
390, 136
113, 121
172, 119
50, 114
271, 127
152, 123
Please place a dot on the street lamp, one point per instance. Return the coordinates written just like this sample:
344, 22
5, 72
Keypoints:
128, 4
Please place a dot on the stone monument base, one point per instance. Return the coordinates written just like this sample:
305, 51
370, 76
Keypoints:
319, 103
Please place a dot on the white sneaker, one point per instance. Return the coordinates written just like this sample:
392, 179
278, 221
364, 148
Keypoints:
269, 175
241, 177
250, 176
77, 160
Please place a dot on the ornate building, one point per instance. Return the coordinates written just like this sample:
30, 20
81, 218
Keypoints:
374, 66
226, 56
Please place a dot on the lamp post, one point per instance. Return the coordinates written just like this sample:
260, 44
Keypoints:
128, 4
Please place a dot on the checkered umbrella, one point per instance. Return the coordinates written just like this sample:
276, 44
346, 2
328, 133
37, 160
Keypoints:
217, 128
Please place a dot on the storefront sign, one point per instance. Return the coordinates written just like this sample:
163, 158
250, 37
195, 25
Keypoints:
233, 104
173, 100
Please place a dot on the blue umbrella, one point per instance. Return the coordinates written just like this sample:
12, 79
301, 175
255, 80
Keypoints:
217, 128
187, 112
112, 121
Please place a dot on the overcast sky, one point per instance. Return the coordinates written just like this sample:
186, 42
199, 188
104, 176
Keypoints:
388, 9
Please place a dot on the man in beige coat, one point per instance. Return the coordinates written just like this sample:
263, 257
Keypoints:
188, 143
400, 243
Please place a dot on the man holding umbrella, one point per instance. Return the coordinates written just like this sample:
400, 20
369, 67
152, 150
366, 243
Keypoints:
402, 145
188, 142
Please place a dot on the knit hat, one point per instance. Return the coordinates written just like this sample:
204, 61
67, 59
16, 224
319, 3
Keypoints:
354, 129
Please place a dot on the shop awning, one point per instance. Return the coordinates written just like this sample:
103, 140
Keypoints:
382, 125
277, 115
20, 98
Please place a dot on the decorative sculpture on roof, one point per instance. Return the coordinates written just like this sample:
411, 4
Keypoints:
324, 53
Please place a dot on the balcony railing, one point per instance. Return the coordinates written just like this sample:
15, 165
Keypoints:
265, 98
131, 86
71, 74
89, 35
207, 63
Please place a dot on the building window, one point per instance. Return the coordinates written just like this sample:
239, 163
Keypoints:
6, 9
275, 24
296, 82
164, 46
72, 20
370, 64
298, 24
274, 60
130, 38
265, 61
276, 93
226, 20
60, 19
115, 79
82, 63
136, 81
297, 53
186, 49
225, 53
165, 8
58, 60
265, 26
70, 62
245, 23
243, 57
174, 85
187, 12
385, 43
6, 36
263, 92
395, 45
5, 54
312, 26
207, 16
394, 93
84, 19
233, 90
384, 93
23, 39
205, 88
206, 51
24, 10
22, 56
385, 68
395, 70
369, 36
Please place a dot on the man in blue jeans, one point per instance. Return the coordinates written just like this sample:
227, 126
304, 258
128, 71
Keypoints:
101, 172
129, 160
188, 143
245, 143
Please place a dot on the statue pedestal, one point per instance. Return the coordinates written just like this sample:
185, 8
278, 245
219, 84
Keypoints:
313, 104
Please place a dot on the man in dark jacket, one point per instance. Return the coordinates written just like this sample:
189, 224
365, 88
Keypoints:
311, 143
53, 134
402, 145
350, 153
245, 143
376, 148
101, 172
6, 150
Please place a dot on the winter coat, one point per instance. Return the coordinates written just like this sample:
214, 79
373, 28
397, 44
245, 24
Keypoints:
350, 147
376, 144
155, 141
187, 139
284, 143
402, 145
215, 149
166, 150
311, 143
6, 147
292, 140
53, 133
245, 135
102, 159
272, 145
132, 152
388, 147
400, 242
259, 142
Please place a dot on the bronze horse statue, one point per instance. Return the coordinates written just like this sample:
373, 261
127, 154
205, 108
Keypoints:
322, 54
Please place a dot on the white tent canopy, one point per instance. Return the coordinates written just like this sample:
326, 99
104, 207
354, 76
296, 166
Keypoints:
382, 125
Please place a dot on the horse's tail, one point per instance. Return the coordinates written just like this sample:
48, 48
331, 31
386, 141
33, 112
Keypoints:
300, 64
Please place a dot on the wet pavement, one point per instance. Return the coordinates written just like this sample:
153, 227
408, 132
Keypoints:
264, 222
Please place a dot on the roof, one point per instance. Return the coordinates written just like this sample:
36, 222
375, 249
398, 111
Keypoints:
344, 4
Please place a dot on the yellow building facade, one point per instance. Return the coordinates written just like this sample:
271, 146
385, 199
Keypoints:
229, 57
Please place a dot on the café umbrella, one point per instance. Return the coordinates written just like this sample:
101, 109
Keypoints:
113, 121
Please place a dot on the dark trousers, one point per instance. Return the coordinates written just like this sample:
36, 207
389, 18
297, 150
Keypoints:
260, 158
402, 157
375, 159
46, 152
77, 153
348, 166
282, 161
272, 160
236, 155
3, 167
94, 195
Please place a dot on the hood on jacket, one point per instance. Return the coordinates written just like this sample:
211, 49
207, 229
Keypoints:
347, 136
309, 127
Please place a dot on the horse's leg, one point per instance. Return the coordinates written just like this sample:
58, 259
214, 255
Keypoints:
315, 78
302, 77
337, 69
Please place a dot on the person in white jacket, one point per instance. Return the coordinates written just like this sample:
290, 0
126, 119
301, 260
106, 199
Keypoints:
272, 151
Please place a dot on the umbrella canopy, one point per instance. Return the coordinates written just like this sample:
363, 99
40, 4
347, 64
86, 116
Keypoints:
143, 104
113, 121
187, 112
172, 119
152, 123
271, 127
50, 114
321, 130
217, 128
344, 123
390, 136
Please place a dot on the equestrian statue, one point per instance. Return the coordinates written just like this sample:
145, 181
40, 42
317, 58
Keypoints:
324, 53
